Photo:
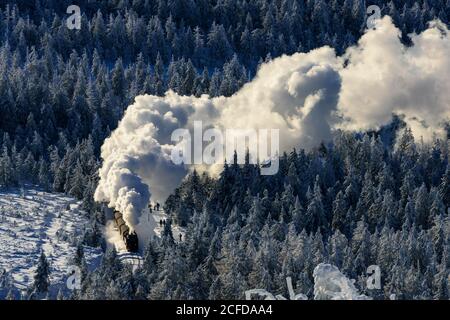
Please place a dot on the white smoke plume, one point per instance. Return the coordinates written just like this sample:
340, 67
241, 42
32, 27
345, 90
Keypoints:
305, 96
384, 77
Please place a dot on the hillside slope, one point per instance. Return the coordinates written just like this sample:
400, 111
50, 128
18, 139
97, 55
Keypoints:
30, 221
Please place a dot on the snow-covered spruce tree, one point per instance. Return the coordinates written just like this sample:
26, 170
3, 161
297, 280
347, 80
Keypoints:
41, 276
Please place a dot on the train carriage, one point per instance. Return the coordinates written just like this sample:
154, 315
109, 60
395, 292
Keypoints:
129, 238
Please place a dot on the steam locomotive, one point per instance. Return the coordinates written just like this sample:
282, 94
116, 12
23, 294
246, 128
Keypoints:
129, 238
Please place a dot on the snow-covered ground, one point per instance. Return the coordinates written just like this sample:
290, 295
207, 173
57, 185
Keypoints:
161, 216
32, 220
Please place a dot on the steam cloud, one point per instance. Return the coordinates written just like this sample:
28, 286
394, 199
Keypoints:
305, 96
384, 78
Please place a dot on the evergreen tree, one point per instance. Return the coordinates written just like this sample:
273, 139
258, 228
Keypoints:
41, 276
315, 215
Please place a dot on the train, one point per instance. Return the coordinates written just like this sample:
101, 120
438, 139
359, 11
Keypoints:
129, 238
